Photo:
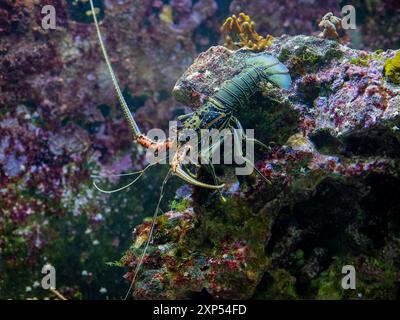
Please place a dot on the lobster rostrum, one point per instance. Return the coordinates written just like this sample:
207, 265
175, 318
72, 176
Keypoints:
216, 113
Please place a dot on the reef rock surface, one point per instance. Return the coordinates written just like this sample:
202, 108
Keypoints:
334, 168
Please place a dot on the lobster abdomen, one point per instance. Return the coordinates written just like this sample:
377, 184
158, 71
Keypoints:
238, 90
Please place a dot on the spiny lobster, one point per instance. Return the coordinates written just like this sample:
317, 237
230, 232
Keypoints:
216, 113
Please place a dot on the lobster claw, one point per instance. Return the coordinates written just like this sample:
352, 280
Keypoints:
187, 178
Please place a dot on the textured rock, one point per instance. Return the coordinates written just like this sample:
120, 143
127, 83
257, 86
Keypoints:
335, 150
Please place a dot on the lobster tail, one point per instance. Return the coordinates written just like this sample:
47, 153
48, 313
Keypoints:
271, 69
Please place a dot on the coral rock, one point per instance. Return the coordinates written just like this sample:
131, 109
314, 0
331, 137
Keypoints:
334, 157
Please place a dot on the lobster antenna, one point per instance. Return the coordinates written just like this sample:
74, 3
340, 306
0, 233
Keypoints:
95, 176
122, 188
127, 113
153, 222
262, 175
139, 172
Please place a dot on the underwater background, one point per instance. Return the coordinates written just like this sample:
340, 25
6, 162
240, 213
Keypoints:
334, 197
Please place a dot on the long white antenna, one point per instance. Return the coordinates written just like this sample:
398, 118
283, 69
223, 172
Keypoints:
150, 236
127, 113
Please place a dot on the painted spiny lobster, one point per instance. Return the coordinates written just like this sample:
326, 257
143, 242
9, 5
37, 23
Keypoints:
216, 113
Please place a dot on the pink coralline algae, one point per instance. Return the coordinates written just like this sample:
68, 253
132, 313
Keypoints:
38, 161
191, 16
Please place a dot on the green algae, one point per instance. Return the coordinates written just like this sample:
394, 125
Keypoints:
360, 61
299, 258
364, 60
328, 285
180, 205
309, 55
375, 279
279, 285
392, 68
